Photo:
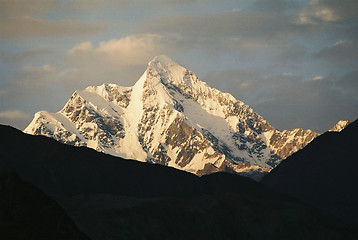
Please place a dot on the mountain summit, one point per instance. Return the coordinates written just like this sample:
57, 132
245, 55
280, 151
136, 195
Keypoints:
171, 117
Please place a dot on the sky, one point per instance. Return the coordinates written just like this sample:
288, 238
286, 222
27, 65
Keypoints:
294, 62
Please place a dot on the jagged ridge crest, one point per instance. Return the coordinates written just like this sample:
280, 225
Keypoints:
172, 118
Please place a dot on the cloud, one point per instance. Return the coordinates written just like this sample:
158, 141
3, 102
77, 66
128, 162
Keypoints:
24, 7
317, 78
80, 48
130, 50
34, 77
32, 88
261, 25
49, 85
348, 83
14, 114
123, 4
23, 19
314, 16
15, 118
226, 31
342, 52
86, 4
291, 53
280, 52
275, 5
17, 58
308, 104
26, 26
287, 100
337, 22
252, 85
117, 60
327, 11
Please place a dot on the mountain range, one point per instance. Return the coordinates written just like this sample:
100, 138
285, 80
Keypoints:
196, 136
112, 198
172, 118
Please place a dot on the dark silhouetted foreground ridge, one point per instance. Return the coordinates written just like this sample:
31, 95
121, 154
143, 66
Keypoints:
324, 173
113, 198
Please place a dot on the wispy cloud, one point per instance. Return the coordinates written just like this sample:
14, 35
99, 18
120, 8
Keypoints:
15, 8
34, 77
230, 30
118, 60
15, 118
281, 98
340, 52
19, 57
128, 50
326, 11
26, 26
14, 114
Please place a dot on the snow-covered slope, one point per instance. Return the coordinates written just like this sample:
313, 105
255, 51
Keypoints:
340, 125
170, 117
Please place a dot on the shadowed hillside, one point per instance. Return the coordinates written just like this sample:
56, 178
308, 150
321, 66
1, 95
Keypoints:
112, 198
27, 213
324, 173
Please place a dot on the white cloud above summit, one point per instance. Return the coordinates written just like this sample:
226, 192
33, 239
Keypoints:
124, 51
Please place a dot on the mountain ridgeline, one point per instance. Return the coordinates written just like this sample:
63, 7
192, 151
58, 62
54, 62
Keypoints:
172, 118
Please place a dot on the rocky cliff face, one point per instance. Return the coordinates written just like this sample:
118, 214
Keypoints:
170, 117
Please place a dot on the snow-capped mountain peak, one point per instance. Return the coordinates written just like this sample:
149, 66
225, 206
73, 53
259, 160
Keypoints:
167, 68
171, 117
340, 125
